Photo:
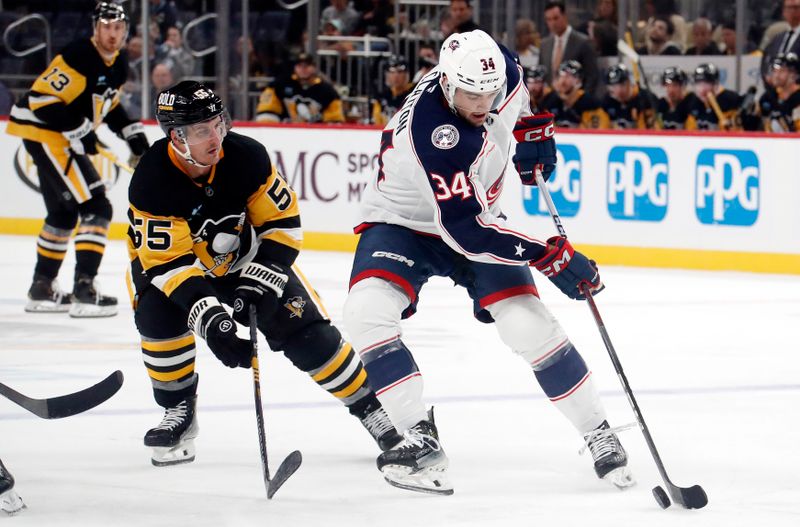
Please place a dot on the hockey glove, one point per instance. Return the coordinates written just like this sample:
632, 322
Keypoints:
262, 286
568, 269
137, 142
212, 323
82, 140
536, 147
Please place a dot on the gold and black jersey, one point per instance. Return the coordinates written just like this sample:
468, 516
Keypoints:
387, 103
703, 116
580, 111
77, 84
293, 101
548, 102
674, 117
636, 113
184, 231
783, 114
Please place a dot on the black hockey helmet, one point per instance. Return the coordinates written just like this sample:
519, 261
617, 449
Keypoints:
788, 60
397, 63
673, 74
617, 74
536, 73
706, 72
109, 12
186, 103
573, 67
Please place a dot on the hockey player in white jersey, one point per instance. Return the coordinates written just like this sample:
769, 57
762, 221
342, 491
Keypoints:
432, 211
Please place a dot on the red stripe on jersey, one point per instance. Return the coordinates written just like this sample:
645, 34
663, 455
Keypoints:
389, 276
508, 293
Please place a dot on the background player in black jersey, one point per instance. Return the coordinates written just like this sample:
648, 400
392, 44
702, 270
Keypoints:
714, 108
784, 114
673, 108
627, 106
543, 97
577, 108
57, 119
397, 88
212, 222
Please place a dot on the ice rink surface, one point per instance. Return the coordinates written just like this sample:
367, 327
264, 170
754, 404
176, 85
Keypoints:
712, 357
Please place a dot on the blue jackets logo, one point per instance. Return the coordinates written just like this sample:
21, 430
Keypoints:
638, 183
564, 186
727, 187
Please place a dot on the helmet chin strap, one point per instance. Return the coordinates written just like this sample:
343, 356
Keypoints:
188, 155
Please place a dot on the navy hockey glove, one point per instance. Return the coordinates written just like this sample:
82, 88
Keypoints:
568, 269
536, 147
212, 323
82, 140
137, 142
262, 286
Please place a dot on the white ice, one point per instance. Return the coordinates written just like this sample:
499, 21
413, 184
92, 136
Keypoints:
712, 357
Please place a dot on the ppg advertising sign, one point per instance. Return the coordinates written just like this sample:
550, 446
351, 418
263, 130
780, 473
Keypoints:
638, 183
564, 186
727, 187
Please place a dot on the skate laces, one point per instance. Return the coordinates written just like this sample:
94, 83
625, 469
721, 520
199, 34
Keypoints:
603, 441
415, 438
377, 423
174, 416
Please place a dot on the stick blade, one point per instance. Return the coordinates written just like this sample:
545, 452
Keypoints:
75, 403
689, 498
284, 472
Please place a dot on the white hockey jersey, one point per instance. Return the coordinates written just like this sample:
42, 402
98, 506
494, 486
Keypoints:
440, 175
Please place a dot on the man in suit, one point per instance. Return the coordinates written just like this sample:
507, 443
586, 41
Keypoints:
565, 43
786, 41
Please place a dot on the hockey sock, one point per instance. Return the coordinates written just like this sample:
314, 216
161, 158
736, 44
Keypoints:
567, 382
343, 375
397, 382
51, 247
170, 365
90, 244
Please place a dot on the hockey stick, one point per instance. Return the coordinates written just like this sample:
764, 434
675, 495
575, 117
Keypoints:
693, 497
114, 159
626, 49
70, 404
292, 462
724, 124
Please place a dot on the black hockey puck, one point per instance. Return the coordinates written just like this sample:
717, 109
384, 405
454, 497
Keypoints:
661, 497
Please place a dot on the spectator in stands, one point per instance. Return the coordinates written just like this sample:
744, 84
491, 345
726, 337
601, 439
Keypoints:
701, 36
161, 78
526, 42
673, 108
659, 38
577, 108
461, 16
728, 36
715, 108
543, 97
375, 18
172, 49
565, 44
427, 59
305, 97
604, 37
627, 106
333, 28
341, 11
786, 41
397, 89
667, 9
165, 15
605, 12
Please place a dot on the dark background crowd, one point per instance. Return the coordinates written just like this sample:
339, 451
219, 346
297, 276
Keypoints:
367, 55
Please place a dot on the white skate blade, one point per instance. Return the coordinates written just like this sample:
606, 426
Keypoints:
46, 306
427, 480
183, 452
91, 311
621, 477
11, 503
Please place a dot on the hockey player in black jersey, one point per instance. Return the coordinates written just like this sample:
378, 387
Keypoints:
714, 107
57, 119
397, 89
543, 97
212, 222
673, 108
627, 106
576, 108
782, 113
10, 502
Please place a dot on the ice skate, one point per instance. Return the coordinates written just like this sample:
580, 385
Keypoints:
377, 423
88, 303
610, 459
418, 463
173, 439
10, 502
44, 296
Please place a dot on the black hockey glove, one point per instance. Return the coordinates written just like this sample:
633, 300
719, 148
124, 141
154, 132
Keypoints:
262, 286
137, 142
82, 140
212, 323
568, 269
536, 147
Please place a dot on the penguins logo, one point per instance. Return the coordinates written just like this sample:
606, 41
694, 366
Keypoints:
295, 305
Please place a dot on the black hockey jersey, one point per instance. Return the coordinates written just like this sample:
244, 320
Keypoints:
782, 115
77, 84
183, 231
548, 103
298, 102
583, 111
635, 113
674, 118
386, 104
702, 116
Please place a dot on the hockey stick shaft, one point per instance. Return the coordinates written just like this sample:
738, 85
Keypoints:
693, 497
70, 404
112, 157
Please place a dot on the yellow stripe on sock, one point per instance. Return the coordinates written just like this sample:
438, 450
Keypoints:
168, 345
344, 351
90, 247
170, 375
355, 385
51, 254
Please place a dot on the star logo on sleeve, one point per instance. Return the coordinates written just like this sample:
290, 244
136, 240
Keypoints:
519, 249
